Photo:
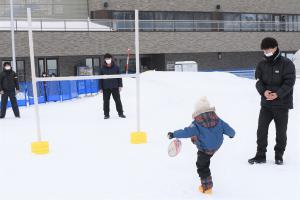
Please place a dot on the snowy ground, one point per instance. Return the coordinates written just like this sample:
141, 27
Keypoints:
91, 158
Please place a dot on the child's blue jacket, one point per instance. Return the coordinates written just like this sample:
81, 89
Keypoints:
209, 132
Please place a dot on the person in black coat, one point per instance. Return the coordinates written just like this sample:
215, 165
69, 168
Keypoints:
111, 86
275, 81
9, 85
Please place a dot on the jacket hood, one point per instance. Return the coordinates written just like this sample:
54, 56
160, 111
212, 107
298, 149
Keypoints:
207, 119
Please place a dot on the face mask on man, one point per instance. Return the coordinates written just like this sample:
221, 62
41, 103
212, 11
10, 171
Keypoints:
108, 61
269, 54
7, 67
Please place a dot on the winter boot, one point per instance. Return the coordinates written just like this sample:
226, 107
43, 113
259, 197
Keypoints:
122, 115
278, 159
206, 185
259, 159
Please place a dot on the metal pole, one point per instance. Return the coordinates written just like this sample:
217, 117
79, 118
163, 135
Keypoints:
127, 61
137, 65
12, 28
32, 63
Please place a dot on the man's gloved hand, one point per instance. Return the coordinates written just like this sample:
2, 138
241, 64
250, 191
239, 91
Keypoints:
170, 135
194, 139
1, 92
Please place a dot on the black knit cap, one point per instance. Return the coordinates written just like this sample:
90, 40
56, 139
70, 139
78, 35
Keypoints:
268, 43
6, 63
107, 55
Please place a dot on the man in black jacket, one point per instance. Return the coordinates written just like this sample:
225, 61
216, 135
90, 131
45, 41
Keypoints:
111, 86
275, 81
8, 87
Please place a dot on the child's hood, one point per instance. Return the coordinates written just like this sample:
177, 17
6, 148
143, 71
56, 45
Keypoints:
207, 119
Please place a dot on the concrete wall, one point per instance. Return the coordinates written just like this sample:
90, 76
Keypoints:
211, 61
98, 43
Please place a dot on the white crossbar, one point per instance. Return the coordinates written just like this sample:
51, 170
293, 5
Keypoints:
72, 78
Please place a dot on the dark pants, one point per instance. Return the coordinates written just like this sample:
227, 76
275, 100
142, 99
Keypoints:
203, 162
280, 117
13, 100
106, 98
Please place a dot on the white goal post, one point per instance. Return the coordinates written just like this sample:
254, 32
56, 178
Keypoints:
36, 79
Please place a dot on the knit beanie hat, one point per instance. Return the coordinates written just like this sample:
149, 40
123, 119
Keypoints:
202, 106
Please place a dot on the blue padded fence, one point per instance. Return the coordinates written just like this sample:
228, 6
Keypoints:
54, 91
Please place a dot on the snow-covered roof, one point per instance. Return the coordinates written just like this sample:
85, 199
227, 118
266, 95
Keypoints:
56, 25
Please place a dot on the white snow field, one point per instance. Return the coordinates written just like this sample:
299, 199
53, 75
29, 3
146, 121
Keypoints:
92, 158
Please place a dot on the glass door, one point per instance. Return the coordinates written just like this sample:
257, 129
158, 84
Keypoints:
21, 70
52, 67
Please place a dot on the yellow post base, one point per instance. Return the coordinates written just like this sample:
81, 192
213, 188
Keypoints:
138, 138
40, 147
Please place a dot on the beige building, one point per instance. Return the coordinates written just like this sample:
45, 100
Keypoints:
217, 34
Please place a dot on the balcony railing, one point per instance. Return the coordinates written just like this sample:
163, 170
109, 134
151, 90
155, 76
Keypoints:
152, 25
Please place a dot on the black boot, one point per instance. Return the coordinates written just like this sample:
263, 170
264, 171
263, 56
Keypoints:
106, 117
278, 159
122, 115
259, 159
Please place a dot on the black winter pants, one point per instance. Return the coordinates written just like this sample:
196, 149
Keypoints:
106, 99
203, 162
13, 100
280, 117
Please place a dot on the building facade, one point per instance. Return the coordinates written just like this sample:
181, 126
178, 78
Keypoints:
217, 34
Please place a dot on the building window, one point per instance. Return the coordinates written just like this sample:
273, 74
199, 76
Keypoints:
290, 23
199, 21
264, 22
21, 70
298, 22
94, 64
146, 23
248, 22
202, 21
288, 55
52, 67
123, 21
164, 21
184, 21
48, 66
41, 67
58, 9
283, 23
232, 22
